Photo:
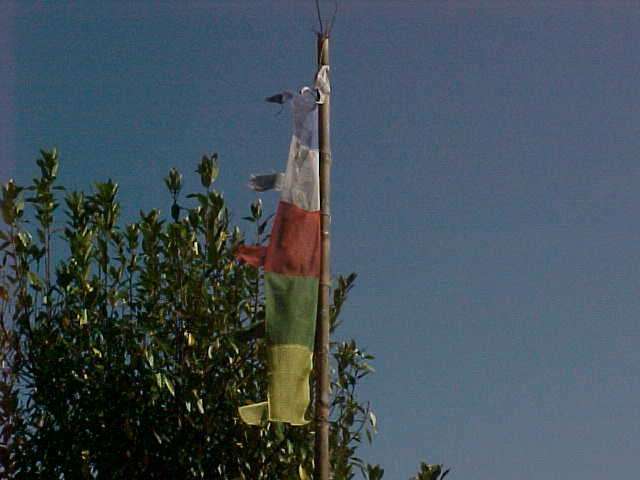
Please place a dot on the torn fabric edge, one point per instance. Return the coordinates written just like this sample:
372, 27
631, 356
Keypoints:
268, 181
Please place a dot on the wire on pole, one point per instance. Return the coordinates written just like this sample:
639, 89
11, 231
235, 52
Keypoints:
327, 32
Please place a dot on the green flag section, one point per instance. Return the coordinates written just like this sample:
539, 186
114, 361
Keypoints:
291, 302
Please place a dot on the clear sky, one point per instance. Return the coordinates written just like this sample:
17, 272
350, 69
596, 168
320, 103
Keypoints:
485, 189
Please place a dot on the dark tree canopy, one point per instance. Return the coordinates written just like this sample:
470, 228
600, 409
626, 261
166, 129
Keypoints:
127, 348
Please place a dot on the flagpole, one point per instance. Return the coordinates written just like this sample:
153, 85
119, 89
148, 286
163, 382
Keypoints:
321, 354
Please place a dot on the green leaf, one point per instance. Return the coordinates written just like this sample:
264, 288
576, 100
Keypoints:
303, 473
175, 212
149, 356
169, 385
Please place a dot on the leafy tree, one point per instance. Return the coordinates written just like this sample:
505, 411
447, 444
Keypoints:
126, 349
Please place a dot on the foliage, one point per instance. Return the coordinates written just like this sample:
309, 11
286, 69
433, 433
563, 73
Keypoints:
129, 357
430, 472
128, 348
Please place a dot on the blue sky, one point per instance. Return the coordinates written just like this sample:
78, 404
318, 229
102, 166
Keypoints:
484, 189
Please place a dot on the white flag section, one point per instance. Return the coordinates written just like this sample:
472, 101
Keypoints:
299, 184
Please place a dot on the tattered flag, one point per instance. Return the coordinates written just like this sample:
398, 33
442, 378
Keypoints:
291, 263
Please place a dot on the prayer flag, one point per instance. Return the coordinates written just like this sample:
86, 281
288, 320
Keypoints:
291, 263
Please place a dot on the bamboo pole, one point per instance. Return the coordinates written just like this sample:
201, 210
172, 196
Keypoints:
321, 356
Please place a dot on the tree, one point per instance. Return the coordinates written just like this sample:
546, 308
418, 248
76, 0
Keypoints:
126, 349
